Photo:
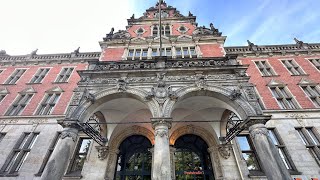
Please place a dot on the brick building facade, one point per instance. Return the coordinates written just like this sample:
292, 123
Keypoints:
199, 111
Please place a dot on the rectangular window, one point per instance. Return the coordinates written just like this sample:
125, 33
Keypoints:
311, 139
19, 153
248, 152
281, 149
48, 103
154, 52
316, 63
65, 74
193, 52
19, 104
178, 52
49, 152
144, 53
284, 98
80, 155
293, 67
265, 68
15, 76
38, 77
313, 93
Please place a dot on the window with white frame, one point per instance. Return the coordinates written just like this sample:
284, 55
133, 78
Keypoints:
186, 52
284, 97
19, 154
39, 76
80, 156
19, 104
65, 74
275, 137
265, 68
310, 138
48, 103
137, 54
259, 99
15, 76
165, 30
49, 152
315, 62
292, 67
313, 92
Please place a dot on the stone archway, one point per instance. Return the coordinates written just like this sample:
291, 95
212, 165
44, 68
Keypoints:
209, 138
115, 142
239, 105
86, 108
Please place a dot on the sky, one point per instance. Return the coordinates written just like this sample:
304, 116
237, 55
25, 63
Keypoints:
61, 26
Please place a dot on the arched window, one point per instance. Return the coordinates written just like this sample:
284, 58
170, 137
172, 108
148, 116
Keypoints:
155, 31
192, 160
134, 160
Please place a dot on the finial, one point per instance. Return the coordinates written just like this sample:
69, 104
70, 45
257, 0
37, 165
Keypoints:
250, 43
301, 44
34, 52
190, 14
132, 17
76, 51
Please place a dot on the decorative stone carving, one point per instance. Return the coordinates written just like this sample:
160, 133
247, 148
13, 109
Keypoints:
201, 82
162, 133
252, 46
102, 152
34, 52
3, 53
225, 150
122, 85
69, 132
236, 93
258, 129
301, 44
88, 96
205, 31
250, 93
161, 92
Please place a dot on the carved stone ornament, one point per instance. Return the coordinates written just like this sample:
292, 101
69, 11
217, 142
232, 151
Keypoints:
162, 132
258, 129
102, 152
88, 96
161, 92
201, 82
122, 85
225, 150
69, 132
236, 93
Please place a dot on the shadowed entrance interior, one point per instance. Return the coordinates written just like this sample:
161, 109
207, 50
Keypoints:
192, 160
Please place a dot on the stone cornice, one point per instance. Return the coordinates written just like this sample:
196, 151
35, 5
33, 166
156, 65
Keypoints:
48, 58
274, 50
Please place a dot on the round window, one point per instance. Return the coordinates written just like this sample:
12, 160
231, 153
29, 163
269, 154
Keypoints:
182, 29
140, 31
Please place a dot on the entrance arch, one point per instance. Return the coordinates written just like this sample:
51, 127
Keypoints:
192, 160
134, 159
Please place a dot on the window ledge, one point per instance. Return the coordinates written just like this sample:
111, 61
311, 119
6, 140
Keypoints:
299, 74
38, 174
9, 175
70, 177
9, 84
271, 76
60, 82
33, 83
293, 172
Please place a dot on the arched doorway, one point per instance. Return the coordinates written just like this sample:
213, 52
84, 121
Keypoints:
134, 159
192, 160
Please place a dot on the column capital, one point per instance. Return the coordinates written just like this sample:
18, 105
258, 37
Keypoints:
252, 120
161, 121
69, 132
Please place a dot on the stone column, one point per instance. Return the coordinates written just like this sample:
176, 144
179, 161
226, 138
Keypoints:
61, 155
271, 162
215, 161
161, 165
112, 163
173, 166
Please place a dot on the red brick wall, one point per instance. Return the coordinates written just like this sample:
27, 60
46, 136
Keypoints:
283, 76
47, 84
112, 54
211, 50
